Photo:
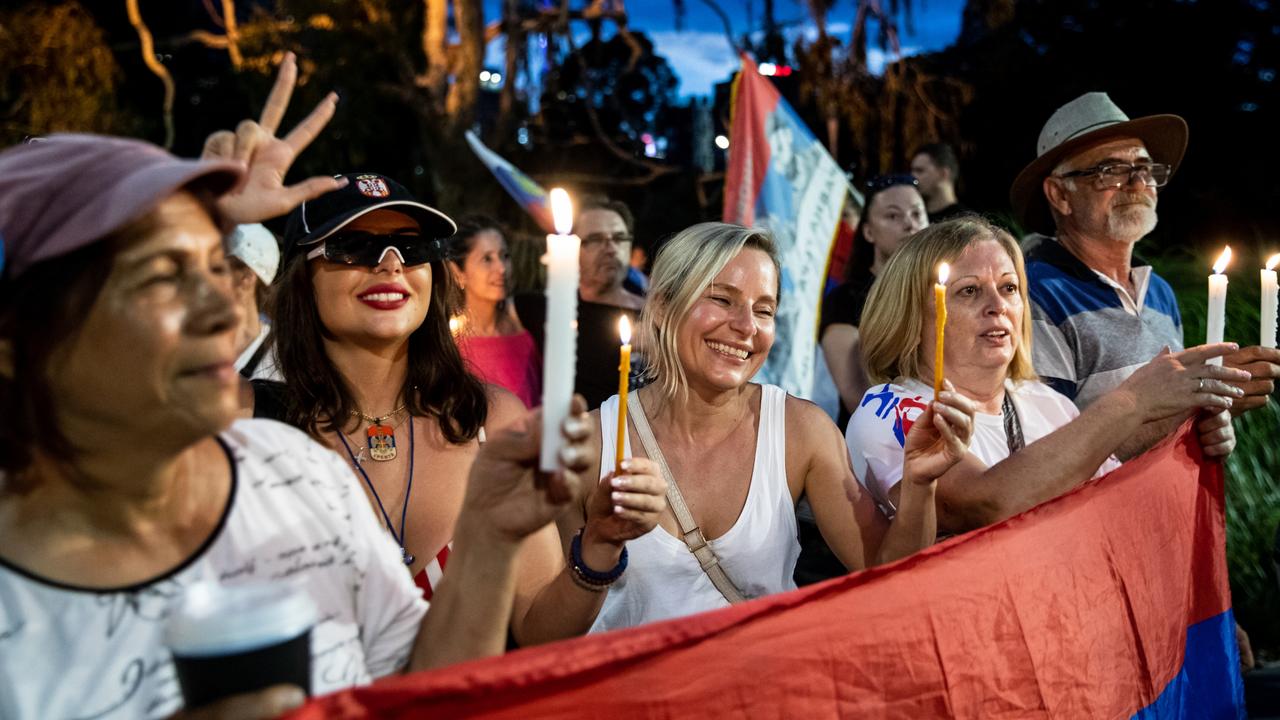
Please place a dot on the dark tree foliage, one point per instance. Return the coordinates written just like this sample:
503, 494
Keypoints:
631, 91
1215, 63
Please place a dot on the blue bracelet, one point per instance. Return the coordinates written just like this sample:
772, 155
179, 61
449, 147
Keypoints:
587, 574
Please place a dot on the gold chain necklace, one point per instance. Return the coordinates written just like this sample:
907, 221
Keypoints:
380, 437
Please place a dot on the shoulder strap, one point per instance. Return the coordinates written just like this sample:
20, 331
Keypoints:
254, 360
689, 531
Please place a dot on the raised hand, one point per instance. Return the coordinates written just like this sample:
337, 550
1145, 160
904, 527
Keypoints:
263, 194
504, 492
626, 505
1180, 382
939, 438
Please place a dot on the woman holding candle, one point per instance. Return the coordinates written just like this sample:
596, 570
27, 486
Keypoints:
371, 371
740, 454
494, 344
130, 478
1030, 443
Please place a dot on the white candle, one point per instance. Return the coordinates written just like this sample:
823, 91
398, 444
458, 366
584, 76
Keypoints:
1269, 299
1217, 319
560, 344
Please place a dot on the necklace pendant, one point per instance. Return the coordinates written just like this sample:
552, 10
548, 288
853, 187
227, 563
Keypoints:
407, 557
382, 442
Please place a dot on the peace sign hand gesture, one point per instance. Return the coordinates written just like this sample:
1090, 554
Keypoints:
263, 195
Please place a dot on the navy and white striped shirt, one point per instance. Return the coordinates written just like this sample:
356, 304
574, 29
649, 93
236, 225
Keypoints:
1089, 334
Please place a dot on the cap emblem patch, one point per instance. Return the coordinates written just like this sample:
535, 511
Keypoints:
372, 186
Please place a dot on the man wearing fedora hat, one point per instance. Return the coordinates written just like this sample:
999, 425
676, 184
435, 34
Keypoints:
1099, 312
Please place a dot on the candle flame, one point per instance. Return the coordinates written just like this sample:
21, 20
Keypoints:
1273, 261
1223, 259
561, 211
624, 330
944, 272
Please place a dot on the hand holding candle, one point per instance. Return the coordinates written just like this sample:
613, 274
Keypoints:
624, 384
940, 309
1269, 302
560, 354
1216, 321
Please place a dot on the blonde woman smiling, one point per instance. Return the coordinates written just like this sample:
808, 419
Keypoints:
739, 453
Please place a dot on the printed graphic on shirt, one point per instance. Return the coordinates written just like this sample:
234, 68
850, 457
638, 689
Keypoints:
903, 410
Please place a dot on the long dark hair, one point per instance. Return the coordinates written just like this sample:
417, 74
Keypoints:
459, 247
437, 385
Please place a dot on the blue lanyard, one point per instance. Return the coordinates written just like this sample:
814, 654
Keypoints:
404, 511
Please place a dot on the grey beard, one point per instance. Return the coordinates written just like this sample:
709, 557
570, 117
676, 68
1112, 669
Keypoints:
1133, 224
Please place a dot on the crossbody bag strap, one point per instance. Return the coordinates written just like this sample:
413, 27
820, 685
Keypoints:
689, 530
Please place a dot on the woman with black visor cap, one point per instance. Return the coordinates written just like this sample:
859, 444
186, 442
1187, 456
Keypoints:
362, 340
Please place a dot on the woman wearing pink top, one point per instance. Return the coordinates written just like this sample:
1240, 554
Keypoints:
496, 347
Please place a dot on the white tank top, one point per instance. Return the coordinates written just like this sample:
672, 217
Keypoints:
663, 579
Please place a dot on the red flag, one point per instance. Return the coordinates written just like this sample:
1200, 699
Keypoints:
1109, 602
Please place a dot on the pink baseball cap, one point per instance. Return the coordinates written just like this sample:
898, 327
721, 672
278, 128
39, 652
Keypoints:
66, 191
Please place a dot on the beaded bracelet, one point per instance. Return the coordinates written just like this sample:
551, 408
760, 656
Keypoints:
577, 580
587, 575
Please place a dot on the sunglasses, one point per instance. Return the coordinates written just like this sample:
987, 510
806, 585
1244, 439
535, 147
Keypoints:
368, 249
884, 182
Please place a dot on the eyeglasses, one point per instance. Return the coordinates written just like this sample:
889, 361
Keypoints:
884, 182
368, 249
1114, 175
619, 238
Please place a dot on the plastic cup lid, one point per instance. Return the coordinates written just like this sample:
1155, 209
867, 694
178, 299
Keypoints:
213, 619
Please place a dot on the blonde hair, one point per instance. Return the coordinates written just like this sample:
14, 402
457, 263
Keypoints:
684, 268
892, 323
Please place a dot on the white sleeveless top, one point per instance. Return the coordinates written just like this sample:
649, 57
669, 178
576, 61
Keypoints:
663, 579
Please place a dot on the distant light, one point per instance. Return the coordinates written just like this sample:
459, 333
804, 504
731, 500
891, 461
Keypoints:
496, 78
767, 69
722, 142
650, 149
782, 70
522, 136
484, 76
646, 138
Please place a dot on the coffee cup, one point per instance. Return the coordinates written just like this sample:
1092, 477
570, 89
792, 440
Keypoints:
231, 640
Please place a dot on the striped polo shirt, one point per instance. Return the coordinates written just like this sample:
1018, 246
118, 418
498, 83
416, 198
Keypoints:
1089, 334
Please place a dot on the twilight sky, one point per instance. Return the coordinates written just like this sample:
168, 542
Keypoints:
702, 57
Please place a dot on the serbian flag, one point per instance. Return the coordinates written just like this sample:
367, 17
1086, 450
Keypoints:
1109, 602
781, 178
521, 187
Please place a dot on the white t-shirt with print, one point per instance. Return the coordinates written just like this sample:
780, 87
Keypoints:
295, 515
878, 429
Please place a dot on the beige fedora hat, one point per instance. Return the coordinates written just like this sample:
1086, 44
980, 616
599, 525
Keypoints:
1088, 120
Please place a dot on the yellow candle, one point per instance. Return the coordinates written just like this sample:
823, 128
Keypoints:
624, 384
940, 309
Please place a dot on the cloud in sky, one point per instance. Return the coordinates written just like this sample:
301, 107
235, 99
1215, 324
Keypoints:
701, 58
